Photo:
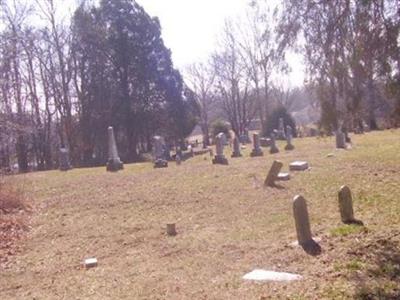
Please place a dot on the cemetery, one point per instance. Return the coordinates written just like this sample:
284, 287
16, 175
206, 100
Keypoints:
203, 230
154, 149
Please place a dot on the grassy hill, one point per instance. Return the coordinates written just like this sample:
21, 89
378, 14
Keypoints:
228, 224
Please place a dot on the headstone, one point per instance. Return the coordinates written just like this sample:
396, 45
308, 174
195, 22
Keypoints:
273, 149
289, 137
65, 164
346, 206
256, 146
272, 175
244, 138
340, 139
90, 263
114, 163
302, 224
265, 142
281, 130
171, 230
298, 166
219, 144
159, 152
236, 148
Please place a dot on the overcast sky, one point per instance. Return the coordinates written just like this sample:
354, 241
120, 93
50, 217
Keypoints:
190, 29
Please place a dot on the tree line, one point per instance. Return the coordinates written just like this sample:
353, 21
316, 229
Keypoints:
63, 82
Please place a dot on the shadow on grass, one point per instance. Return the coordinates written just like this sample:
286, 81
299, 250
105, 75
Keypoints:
381, 277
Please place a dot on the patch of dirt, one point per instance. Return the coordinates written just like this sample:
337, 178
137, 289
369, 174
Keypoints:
14, 212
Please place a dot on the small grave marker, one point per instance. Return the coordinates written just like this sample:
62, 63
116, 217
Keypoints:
298, 166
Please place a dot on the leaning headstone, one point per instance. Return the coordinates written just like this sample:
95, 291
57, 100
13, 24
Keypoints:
346, 206
272, 175
236, 148
302, 223
114, 163
256, 146
273, 149
340, 139
65, 164
159, 152
289, 138
219, 145
298, 166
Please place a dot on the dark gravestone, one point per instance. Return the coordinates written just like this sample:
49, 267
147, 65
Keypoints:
114, 163
236, 148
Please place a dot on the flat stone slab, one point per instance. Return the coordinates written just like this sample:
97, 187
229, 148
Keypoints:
90, 263
263, 275
298, 166
296, 243
283, 177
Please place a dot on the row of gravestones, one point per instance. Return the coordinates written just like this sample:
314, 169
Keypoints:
256, 151
114, 163
161, 160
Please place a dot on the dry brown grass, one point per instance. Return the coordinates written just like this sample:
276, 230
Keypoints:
13, 219
227, 224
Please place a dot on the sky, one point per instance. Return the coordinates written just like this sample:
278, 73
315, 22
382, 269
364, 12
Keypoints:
190, 29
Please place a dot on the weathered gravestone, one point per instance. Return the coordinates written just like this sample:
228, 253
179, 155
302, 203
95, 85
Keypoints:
346, 206
114, 163
160, 160
219, 145
178, 160
340, 139
302, 223
281, 130
236, 148
289, 138
298, 166
256, 146
273, 149
273, 172
65, 164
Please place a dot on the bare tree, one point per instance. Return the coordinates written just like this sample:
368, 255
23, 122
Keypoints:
233, 83
201, 78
